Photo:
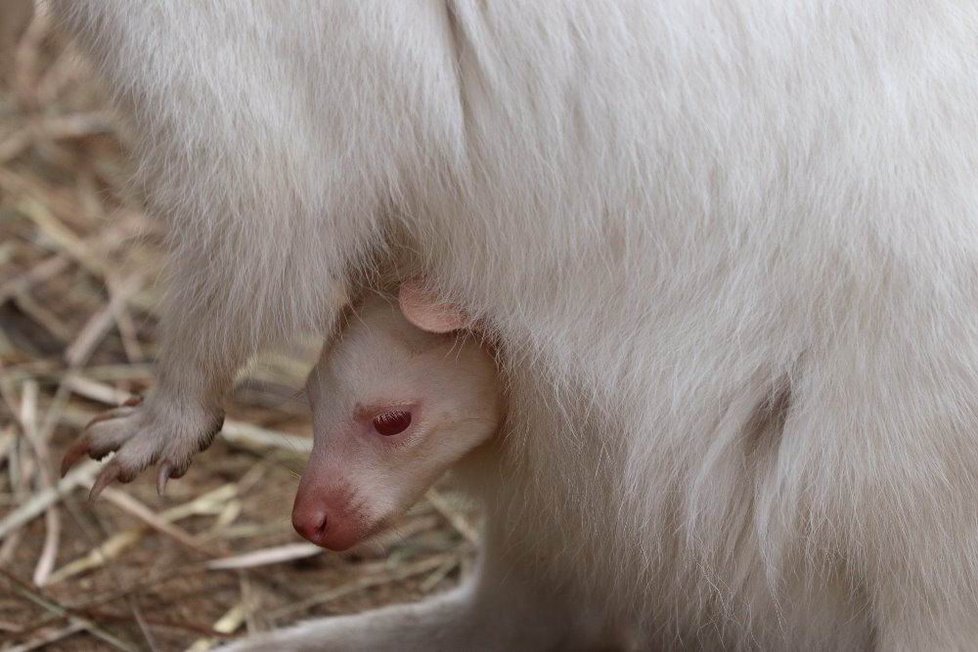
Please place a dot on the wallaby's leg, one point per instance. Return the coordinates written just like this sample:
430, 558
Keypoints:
494, 613
268, 157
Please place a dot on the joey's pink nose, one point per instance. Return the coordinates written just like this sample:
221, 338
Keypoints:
311, 522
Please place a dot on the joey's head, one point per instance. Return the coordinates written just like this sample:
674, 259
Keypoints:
401, 395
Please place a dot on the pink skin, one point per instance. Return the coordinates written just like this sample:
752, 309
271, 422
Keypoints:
394, 406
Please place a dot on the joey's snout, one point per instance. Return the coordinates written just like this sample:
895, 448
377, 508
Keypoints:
327, 514
310, 520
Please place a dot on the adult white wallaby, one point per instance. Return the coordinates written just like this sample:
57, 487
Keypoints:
730, 249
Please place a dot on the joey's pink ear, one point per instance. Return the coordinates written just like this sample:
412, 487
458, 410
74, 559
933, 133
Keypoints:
424, 311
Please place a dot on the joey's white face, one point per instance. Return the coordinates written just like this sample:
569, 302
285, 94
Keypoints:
393, 408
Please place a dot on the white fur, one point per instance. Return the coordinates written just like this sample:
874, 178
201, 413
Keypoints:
729, 249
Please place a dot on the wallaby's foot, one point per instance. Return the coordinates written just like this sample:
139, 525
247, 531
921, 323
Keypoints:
142, 435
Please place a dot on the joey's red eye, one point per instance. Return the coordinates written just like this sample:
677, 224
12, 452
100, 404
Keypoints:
392, 423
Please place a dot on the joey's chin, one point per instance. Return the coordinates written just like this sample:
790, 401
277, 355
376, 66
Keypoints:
327, 530
342, 538
338, 544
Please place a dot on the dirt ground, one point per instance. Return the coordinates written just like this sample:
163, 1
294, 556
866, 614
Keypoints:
80, 286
